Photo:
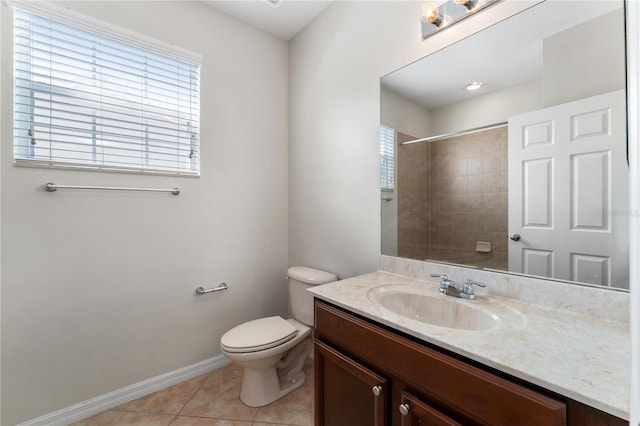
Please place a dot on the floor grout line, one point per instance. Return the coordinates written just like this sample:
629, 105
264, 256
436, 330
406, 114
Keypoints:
192, 395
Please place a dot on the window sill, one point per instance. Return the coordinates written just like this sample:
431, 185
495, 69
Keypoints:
17, 162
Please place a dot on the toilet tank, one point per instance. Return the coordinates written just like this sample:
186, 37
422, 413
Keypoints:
300, 279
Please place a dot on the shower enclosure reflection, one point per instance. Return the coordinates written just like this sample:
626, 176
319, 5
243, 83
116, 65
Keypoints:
452, 193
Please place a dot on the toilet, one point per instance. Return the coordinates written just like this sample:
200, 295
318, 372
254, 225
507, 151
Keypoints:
272, 350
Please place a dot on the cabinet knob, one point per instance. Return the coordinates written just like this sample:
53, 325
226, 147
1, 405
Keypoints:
377, 390
404, 409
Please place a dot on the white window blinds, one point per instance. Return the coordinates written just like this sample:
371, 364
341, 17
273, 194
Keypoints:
387, 157
82, 99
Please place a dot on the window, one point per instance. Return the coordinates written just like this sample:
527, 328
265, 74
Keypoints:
387, 157
87, 99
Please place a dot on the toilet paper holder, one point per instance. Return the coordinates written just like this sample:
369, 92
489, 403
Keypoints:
220, 287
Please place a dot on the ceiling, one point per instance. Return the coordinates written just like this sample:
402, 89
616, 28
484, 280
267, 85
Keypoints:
502, 56
283, 20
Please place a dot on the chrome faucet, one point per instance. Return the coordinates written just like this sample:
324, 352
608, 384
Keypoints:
451, 288
447, 286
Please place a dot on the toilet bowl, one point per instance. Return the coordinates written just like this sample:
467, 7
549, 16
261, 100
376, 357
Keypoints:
272, 350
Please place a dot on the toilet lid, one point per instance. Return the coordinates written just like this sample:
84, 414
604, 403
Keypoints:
257, 335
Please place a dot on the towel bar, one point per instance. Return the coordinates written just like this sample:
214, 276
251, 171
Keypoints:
52, 187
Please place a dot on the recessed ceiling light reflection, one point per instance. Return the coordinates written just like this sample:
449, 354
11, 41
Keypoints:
474, 85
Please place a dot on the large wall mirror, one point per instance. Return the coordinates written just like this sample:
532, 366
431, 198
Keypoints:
528, 173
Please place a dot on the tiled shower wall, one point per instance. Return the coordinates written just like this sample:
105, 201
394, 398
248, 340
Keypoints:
414, 197
452, 193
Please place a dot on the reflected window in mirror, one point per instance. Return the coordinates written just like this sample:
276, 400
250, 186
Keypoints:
388, 185
387, 157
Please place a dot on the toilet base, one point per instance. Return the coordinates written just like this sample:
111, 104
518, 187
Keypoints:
263, 386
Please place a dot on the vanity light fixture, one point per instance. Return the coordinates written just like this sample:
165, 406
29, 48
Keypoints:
435, 18
474, 85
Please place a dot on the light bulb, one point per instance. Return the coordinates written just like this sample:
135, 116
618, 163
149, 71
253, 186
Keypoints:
429, 13
469, 4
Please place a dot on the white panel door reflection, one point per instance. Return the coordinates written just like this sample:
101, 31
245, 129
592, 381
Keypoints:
568, 192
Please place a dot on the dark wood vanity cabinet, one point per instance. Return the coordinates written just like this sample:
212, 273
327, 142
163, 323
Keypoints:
366, 374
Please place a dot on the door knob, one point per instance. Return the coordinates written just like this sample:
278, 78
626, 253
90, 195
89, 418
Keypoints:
515, 237
377, 390
404, 409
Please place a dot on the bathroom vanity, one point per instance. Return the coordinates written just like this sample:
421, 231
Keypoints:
376, 365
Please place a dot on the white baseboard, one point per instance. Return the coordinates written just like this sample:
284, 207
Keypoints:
109, 400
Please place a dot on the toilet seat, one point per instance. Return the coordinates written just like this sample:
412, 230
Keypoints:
258, 335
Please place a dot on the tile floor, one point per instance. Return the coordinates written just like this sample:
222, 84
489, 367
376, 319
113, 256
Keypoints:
211, 400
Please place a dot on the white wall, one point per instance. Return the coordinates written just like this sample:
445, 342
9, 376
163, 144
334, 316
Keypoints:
335, 65
571, 77
98, 287
404, 115
495, 107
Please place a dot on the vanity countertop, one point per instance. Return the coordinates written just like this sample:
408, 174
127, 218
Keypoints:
586, 359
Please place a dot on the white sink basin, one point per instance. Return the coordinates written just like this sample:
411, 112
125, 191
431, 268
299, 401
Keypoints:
426, 305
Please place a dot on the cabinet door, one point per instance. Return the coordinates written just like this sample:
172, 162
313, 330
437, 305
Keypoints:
418, 413
347, 393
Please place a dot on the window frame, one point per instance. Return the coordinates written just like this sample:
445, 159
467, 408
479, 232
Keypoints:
108, 30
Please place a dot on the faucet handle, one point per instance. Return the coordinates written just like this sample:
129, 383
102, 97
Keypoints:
469, 283
443, 277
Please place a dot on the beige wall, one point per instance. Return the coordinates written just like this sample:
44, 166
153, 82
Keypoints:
98, 287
